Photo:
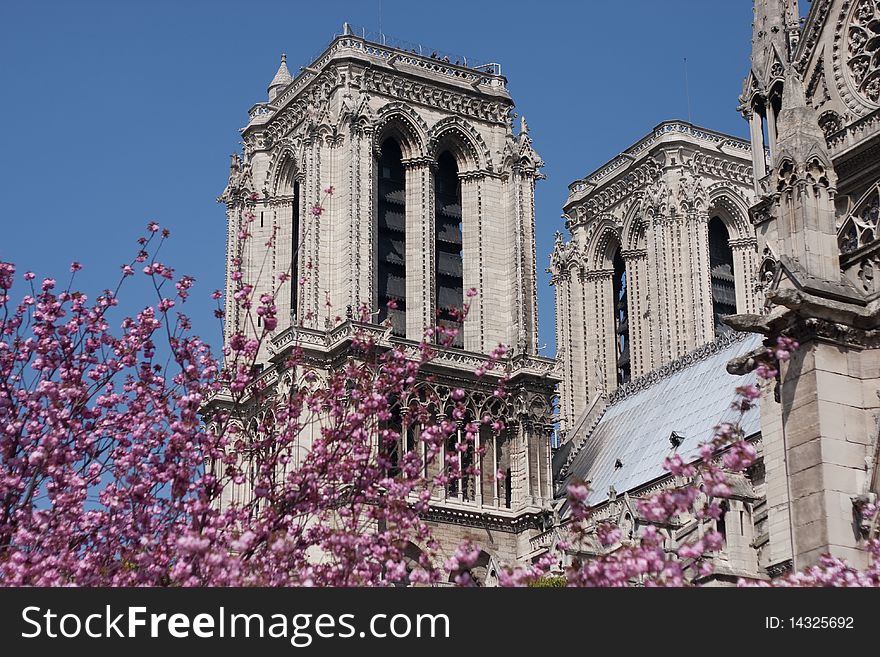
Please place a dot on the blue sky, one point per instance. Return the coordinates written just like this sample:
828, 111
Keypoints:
118, 113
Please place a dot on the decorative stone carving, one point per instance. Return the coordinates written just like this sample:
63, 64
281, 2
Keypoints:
830, 122
860, 226
691, 192
656, 198
766, 275
857, 51
240, 181
867, 274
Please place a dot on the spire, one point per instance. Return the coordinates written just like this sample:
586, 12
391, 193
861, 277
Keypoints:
799, 134
805, 184
282, 78
774, 35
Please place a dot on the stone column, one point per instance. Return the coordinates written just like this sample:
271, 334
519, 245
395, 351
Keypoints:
526, 301
663, 292
282, 213
311, 233
578, 330
600, 349
366, 208
655, 311
420, 238
745, 266
232, 321
472, 260
565, 355
487, 489
771, 131
701, 277
637, 304
756, 133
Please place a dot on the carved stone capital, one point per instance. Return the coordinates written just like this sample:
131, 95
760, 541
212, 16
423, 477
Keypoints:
743, 243
598, 275
634, 254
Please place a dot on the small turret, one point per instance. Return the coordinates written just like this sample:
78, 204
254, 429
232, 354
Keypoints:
805, 182
281, 80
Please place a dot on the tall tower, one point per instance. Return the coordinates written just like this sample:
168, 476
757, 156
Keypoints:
775, 35
816, 219
433, 195
660, 248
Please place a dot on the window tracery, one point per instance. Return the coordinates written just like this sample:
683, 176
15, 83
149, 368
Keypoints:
862, 50
860, 226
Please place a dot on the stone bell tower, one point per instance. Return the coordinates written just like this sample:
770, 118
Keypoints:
433, 195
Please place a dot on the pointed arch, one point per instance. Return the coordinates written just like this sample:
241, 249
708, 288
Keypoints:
460, 138
403, 123
632, 234
729, 205
603, 244
285, 166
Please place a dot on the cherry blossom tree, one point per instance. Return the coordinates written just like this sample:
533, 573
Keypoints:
121, 439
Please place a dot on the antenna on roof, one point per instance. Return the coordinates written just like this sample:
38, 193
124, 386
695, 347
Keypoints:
687, 92
381, 36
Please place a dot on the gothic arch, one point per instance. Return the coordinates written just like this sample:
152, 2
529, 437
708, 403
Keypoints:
605, 241
493, 407
405, 125
284, 167
484, 567
462, 140
632, 235
861, 221
732, 210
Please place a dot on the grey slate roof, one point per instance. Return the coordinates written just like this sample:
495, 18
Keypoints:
689, 396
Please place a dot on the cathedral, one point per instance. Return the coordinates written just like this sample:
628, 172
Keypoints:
433, 195
683, 258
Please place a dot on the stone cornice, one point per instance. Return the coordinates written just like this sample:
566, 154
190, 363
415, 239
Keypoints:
634, 254
743, 243
349, 46
339, 337
385, 71
669, 131
513, 523
598, 275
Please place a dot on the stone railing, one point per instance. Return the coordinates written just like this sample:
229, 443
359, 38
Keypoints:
854, 133
542, 541
457, 358
485, 75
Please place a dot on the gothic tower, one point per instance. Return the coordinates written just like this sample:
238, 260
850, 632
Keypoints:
433, 195
660, 249
816, 221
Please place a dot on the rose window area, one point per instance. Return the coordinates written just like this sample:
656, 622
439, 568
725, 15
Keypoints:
863, 49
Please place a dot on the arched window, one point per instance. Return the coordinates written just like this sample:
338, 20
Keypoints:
391, 238
621, 320
294, 255
721, 267
449, 282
